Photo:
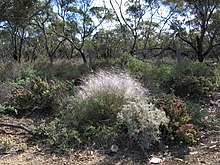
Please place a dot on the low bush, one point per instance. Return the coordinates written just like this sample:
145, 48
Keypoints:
101, 97
143, 121
187, 79
37, 94
178, 127
61, 70
187, 86
93, 112
59, 136
155, 77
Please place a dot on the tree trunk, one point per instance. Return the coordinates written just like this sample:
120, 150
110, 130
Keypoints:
133, 45
200, 56
83, 56
199, 51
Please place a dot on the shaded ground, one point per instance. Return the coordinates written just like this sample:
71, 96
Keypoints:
17, 149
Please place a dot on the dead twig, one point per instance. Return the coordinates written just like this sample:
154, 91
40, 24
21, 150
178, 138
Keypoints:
17, 126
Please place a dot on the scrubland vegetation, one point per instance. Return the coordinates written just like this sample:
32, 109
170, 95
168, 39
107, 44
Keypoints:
115, 77
139, 104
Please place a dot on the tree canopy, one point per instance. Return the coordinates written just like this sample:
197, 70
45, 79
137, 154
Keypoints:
79, 28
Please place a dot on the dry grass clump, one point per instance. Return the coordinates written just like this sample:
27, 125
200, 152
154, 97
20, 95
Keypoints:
113, 81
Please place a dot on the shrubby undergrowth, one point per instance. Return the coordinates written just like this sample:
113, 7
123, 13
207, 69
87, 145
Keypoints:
110, 106
187, 79
179, 126
103, 106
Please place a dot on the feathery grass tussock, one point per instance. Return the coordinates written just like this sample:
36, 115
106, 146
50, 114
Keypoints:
113, 81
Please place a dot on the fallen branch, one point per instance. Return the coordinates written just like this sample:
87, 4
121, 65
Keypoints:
17, 126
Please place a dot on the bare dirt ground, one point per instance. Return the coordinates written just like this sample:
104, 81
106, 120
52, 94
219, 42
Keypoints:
19, 150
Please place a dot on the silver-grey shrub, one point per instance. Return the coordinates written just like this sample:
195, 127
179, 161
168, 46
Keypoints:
113, 81
142, 120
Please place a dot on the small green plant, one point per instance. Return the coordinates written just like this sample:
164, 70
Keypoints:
143, 121
26, 76
23, 147
58, 135
6, 109
6, 143
197, 113
187, 133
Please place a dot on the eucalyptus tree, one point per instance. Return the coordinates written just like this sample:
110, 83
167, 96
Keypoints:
110, 43
199, 24
45, 22
15, 16
80, 18
132, 14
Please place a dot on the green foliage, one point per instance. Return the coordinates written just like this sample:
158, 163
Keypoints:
135, 65
36, 93
6, 144
143, 121
102, 108
176, 111
6, 109
197, 113
188, 80
61, 70
59, 135
194, 68
26, 76
187, 86
156, 75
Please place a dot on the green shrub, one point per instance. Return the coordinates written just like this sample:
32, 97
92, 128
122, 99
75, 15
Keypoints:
58, 135
134, 65
6, 109
188, 80
143, 121
197, 113
37, 93
26, 76
187, 86
156, 76
176, 111
61, 70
